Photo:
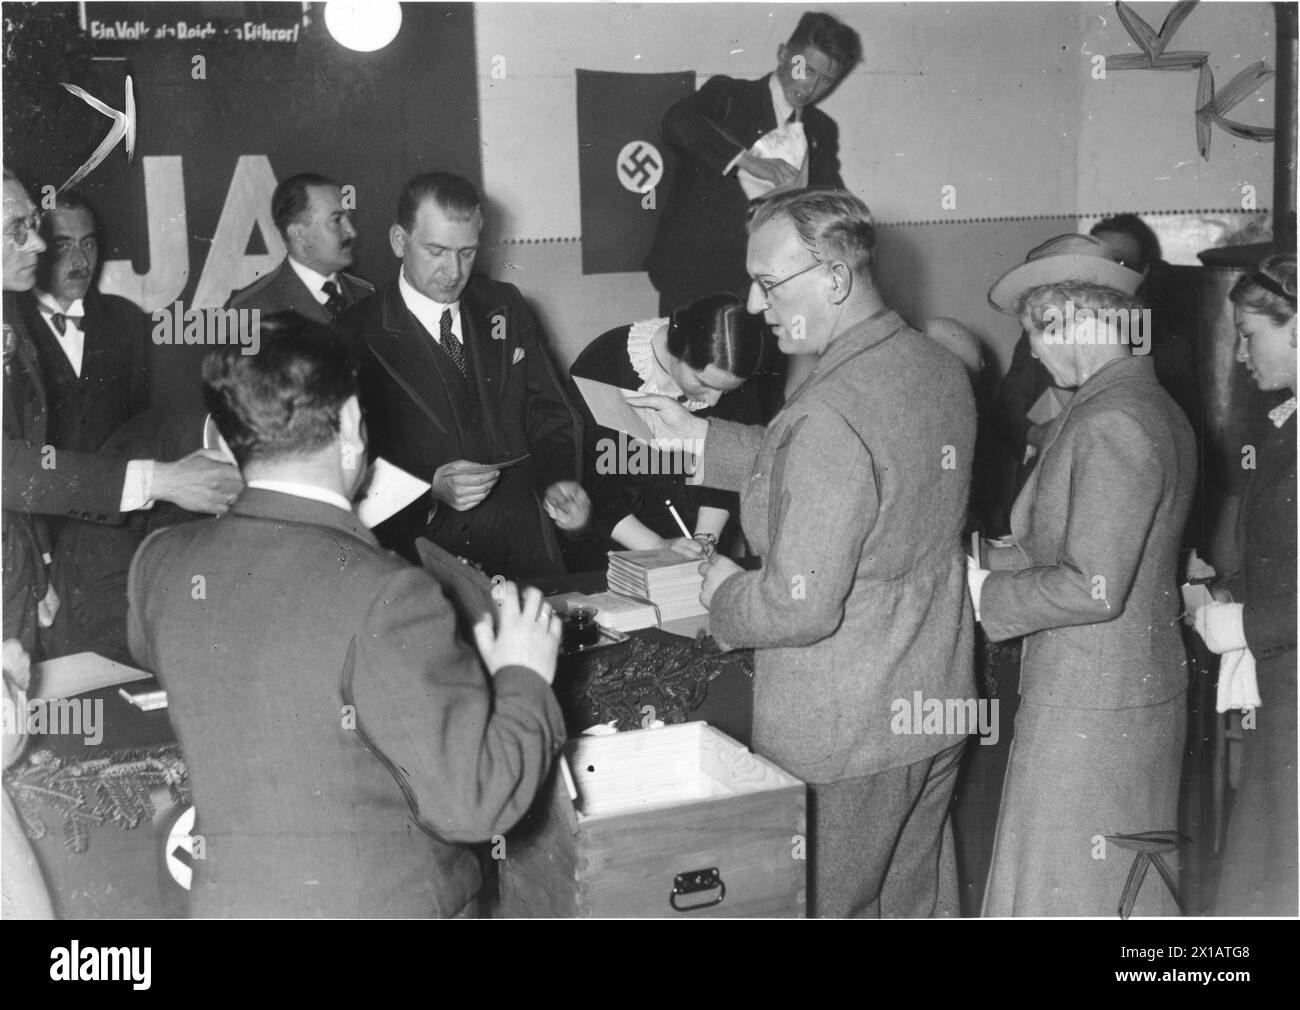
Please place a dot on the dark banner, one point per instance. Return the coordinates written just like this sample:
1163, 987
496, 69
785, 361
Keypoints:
623, 164
182, 23
230, 98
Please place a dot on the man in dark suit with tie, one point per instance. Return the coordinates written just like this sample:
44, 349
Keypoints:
318, 233
700, 245
455, 378
345, 744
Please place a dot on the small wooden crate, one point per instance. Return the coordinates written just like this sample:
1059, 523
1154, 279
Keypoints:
676, 822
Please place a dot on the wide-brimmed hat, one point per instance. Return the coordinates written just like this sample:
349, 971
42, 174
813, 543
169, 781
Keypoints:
1064, 258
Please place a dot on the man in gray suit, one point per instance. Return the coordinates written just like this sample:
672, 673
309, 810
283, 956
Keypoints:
854, 496
308, 212
344, 742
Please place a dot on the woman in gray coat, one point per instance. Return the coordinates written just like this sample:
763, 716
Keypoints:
1090, 579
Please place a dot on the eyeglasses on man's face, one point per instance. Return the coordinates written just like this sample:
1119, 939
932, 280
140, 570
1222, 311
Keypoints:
22, 230
768, 287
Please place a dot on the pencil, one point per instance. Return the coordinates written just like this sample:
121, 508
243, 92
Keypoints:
678, 519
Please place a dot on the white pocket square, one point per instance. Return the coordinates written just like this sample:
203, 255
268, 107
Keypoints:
519, 356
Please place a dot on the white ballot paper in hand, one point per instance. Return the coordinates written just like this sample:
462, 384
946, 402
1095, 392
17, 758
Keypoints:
609, 406
786, 143
390, 490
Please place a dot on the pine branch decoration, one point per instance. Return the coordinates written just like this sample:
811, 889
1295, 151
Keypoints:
660, 680
85, 794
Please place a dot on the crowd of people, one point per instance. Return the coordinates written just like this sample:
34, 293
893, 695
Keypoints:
828, 438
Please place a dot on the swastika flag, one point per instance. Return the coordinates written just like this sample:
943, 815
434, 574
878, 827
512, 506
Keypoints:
624, 165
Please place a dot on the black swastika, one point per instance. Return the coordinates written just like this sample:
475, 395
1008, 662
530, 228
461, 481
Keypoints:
639, 166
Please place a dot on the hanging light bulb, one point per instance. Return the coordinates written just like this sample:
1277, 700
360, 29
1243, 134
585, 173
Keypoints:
364, 26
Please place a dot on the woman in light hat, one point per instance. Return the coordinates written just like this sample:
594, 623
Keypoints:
1090, 578
1256, 632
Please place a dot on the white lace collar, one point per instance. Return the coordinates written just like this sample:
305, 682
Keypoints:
653, 378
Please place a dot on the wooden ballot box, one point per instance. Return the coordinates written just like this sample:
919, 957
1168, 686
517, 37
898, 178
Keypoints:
675, 822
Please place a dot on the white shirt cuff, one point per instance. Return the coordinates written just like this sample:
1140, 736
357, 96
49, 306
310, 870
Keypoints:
975, 578
696, 477
137, 489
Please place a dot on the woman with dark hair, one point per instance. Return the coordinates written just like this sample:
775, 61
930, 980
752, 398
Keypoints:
701, 356
1256, 633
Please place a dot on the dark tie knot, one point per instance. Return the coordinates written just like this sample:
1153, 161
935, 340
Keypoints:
334, 301
60, 321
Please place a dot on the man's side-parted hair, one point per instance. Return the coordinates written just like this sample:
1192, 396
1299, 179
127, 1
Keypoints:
455, 194
833, 223
1269, 290
285, 399
836, 39
291, 198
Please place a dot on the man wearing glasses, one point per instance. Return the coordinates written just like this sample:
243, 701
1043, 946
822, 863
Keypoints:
26, 541
43, 479
854, 496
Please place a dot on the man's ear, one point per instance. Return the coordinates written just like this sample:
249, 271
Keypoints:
397, 239
350, 421
212, 439
352, 440
783, 57
841, 282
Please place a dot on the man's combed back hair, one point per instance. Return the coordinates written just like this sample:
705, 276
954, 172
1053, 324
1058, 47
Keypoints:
1051, 298
717, 330
836, 39
455, 194
291, 198
1269, 290
284, 400
71, 200
833, 223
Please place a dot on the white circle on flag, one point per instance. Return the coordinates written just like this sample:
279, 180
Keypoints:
639, 166
179, 840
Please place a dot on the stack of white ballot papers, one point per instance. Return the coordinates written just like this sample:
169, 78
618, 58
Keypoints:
613, 611
665, 578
